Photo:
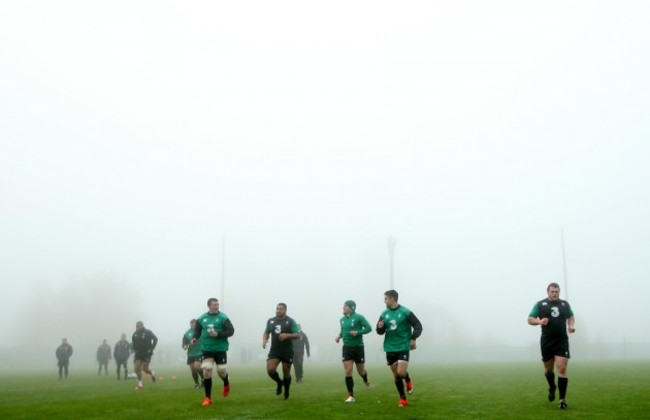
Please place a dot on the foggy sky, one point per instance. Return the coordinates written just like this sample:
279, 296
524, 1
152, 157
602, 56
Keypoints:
136, 136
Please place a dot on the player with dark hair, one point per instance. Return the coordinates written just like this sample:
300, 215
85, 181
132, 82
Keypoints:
556, 317
63, 353
121, 353
401, 328
353, 327
144, 342
282, 329
213, 329
193, 355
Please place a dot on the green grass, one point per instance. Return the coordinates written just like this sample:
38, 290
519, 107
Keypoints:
606, 390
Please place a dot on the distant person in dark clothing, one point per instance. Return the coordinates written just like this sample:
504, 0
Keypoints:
63, 353
300, 346
103, 356
144, 342
121, 353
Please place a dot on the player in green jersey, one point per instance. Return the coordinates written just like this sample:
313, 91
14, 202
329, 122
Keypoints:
353, 327
213, 328
401, 328
281, 329
194, 354
556, 318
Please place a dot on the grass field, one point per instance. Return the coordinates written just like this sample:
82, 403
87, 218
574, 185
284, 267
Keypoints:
605, 390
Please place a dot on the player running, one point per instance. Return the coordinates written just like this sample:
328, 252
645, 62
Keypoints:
401, 328
556, 317
213, 328
353, 327
282, 329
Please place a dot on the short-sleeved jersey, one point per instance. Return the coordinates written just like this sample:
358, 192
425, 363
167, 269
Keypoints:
193, 350
218, 322
143, 341
275, 326
399, 329
557, 313
354, 322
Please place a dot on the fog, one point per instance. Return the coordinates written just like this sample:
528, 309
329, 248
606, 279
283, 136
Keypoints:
156, 154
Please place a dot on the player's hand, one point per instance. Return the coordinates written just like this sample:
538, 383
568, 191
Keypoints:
283, 336
263, 344
572, 330
193, 341
337, 339
213, 333
543, 321
380, 324
353, 333
413, 345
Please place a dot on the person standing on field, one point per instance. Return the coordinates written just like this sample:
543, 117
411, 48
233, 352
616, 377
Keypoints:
556, 318
300, 346
121, 353
144, 342
353, 327
213, 328
401, 328
103, 356
281, 329
63, 353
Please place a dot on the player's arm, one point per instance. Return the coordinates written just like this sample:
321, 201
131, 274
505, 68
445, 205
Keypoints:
227, 329
365, 326
534, 319
154, 341
198, 329
381, 326
265, 339
306, 340
571, 321
416, 325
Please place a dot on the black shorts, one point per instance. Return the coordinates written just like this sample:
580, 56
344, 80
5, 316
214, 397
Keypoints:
355, 353
283, 356
219, 357
394, 356
192, 359
552, 347
144, 357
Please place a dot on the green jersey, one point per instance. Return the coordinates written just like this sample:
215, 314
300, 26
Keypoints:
218, 322
192, 349
400, 326
354, 322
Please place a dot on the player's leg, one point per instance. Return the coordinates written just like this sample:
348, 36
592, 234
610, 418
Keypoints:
222, 371
297, 366
137, 367
207, 364
145, 369
286, 377
199, 371
193, 372
349, 380
562, 379
65, 369
548, 358
361, 370
272, 371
